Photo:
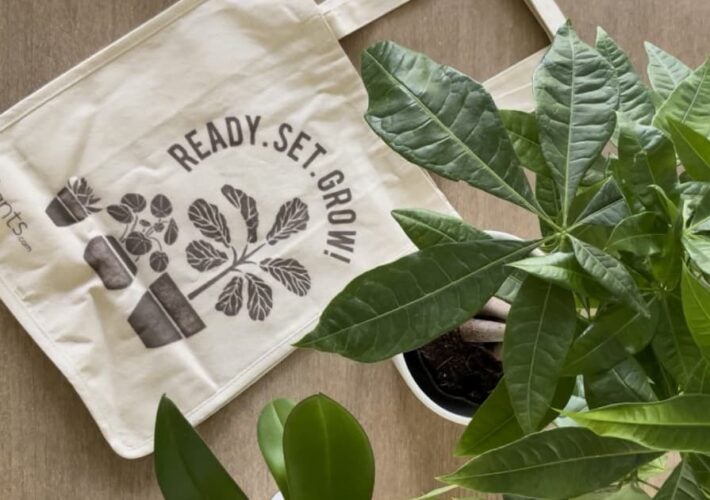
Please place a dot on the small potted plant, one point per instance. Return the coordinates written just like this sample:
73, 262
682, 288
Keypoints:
614, 311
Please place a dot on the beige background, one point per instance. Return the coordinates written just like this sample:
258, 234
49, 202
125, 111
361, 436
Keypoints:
49, 446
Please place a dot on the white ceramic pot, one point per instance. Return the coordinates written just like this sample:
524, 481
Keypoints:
404, 370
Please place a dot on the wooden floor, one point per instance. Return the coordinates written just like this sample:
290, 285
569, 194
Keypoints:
49, 446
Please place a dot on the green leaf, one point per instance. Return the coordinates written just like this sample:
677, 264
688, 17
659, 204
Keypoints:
622, 383
549, 199
666, 267
427, 229
553, 464
433, 494
665, 71
689, 103
701, 467
562, 269
327, 453
404, 305
494, 424
699, 379
441, 120
185, 467
606, 208
610, 274
696, 307
693, 150
661, 381
698, 248
269, 431
615, 333
571, 80
673, 343
634, 98
540, 329
701, 216
680, 485
641, 234
681, 423
627, 492
524, 134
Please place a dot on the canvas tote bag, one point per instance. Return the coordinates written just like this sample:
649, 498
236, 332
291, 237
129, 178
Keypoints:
178, 209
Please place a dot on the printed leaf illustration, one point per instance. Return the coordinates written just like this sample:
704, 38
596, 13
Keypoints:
134, 201
144, 223
159, 227
230, 300
665, 71
290, 273
171, 233
210, 221
84, 193
247, 206
138, 244
202, 256
291, 218
159, 261
161, 207
260, 299
120, 213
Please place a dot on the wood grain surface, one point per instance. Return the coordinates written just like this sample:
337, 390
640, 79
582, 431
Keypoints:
49, 446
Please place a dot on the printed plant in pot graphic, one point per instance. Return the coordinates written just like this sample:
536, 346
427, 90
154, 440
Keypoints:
73, 203
218, 253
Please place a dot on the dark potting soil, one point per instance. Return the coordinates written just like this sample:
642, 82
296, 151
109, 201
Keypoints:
462, 369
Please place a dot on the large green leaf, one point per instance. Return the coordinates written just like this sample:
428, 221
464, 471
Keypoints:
576, 93
540, 329
699, 379
700, 221
427, 229
609, 273
696, 307
689, 103
327, 453
634, 98
665, 71
681, 485
615, 333
625, 382
698, 248
548, 197
524, 134
641, 234
693, 150
606, 208
403, 305
494, 424
559, 463
673, 343
661, 381
185, 467
627, 492
269, 432
562, 269
701, 467
441, 120
681, 423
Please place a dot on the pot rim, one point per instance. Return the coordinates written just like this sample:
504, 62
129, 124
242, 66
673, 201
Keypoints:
406, 374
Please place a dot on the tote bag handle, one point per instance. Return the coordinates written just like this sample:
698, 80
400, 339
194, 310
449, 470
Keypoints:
347, 16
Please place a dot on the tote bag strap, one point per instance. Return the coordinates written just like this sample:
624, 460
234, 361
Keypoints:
347, 16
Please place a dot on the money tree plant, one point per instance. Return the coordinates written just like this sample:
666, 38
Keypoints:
613, 300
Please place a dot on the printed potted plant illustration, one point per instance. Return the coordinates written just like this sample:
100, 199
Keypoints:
614, 310
74, 203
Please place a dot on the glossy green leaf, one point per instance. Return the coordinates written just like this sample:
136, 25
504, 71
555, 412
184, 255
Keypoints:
425, 294
327, 453
185, 467
696, 307
701, 468
524, 134
681, 485
548, 197
559, 463
615, 333
441, 120
634, 98
689, 103
623, 383
494, 424
433, 494
693, 150
699, 379
665, 71
681, 423
427, 229
562, 269
700, 221
606, 208
673, 343
540, 329
666, 267
627, 492
641, 234
269, 431
576, 93
698, 248
609, 273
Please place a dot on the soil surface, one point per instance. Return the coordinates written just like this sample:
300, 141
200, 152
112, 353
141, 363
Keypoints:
462, 369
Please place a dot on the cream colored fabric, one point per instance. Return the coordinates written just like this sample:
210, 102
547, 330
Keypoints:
179, 208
